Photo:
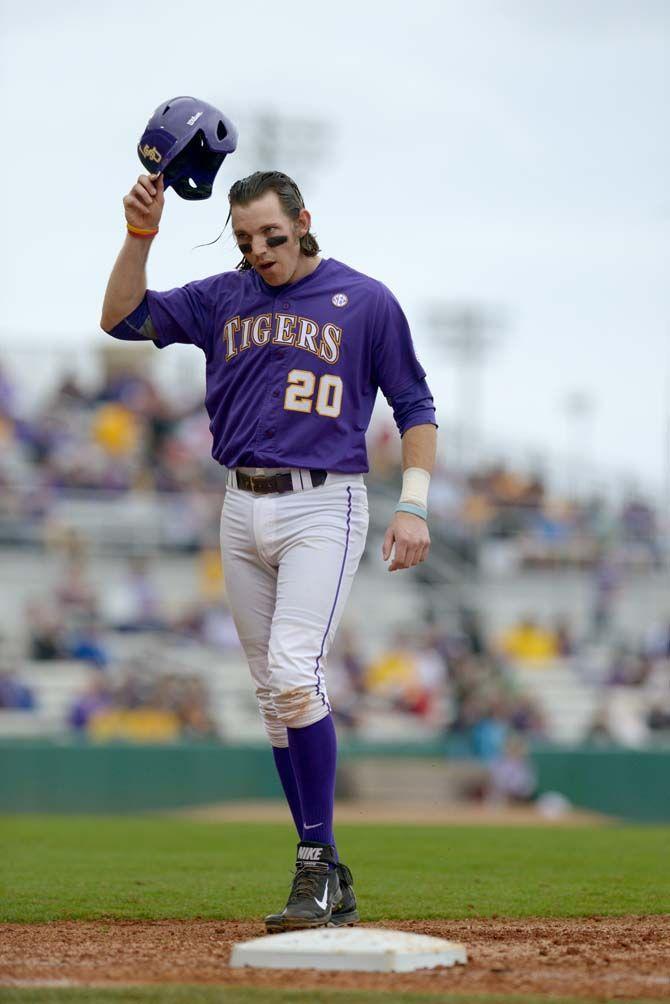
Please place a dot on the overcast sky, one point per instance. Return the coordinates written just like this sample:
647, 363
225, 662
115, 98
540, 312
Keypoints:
510, 154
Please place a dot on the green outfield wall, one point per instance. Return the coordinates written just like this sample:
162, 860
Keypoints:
109, 778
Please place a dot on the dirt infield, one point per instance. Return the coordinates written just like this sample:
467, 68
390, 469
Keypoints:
399, 813
595, 957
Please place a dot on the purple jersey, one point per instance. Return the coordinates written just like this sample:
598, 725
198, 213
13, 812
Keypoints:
293, 370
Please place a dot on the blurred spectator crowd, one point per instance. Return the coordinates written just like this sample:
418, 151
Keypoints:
475, 690
143, 705
80, 617
125, 438
496, 504
426, 680
453, 683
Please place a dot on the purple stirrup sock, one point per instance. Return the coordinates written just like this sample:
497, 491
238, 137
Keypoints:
284, 767
314, 756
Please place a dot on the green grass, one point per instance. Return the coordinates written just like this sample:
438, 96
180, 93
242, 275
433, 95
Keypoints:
251, 995
54, 868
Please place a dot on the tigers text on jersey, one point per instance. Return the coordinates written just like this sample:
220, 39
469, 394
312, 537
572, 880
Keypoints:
292, 371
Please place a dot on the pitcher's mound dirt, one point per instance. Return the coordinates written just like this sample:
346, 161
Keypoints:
593, 957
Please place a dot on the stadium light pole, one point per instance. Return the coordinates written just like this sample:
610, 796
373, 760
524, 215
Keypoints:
290, 143
665, 473
463, 331
579, 408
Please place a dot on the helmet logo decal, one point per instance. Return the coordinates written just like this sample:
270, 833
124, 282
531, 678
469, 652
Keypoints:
150, 153
340, 300
193, 119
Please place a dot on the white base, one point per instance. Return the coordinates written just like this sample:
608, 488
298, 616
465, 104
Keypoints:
366, 949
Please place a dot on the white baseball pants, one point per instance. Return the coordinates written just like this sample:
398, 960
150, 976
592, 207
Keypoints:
289, 561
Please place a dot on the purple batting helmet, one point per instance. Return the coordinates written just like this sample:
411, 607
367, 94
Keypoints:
187, 140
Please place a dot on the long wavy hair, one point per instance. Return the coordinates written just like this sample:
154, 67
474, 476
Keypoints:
254, 186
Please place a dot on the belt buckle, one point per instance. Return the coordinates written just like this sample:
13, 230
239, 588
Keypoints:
253, 478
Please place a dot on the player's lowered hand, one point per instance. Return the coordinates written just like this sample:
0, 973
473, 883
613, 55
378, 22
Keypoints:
143, 205
411, 538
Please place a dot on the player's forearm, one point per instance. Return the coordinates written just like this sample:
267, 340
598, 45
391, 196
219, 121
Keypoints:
419, 444
127, 283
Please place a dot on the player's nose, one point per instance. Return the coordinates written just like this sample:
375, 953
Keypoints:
258, 245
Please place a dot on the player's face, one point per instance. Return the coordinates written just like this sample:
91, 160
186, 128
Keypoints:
269, 239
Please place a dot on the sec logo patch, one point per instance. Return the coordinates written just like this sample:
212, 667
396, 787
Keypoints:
340, 300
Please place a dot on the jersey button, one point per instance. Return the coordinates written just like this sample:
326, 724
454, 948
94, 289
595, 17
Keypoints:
286, 305
269, 434
275, 393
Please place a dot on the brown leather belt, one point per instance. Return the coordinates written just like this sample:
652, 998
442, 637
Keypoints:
265, 484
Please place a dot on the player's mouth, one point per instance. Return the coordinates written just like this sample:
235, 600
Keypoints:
266, 266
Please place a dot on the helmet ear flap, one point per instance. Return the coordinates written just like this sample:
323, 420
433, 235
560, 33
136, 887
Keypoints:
190, 189
192, 171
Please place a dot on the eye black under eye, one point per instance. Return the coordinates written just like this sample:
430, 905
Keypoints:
245, 248
274, 242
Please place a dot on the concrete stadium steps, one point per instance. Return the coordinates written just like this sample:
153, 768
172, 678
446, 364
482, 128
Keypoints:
380, 601
25, 724
380, 724
626, 709
378, 598
570, 703
422, 782
567, 702
55, 686
232, 699
643, 600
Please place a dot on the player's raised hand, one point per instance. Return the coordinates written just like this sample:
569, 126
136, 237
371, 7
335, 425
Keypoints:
143, 205
410, 535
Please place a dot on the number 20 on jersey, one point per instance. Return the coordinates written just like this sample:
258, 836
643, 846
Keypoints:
300, 396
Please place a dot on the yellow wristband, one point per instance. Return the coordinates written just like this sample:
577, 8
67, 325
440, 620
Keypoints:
139, 232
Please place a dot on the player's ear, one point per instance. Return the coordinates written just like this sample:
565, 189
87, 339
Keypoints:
303, 222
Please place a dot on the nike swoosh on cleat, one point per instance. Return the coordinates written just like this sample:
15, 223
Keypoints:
322, 903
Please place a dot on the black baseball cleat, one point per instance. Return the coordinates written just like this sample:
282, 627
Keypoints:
317, 894
346, 912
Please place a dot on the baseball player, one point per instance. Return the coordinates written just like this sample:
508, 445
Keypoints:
296, 346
